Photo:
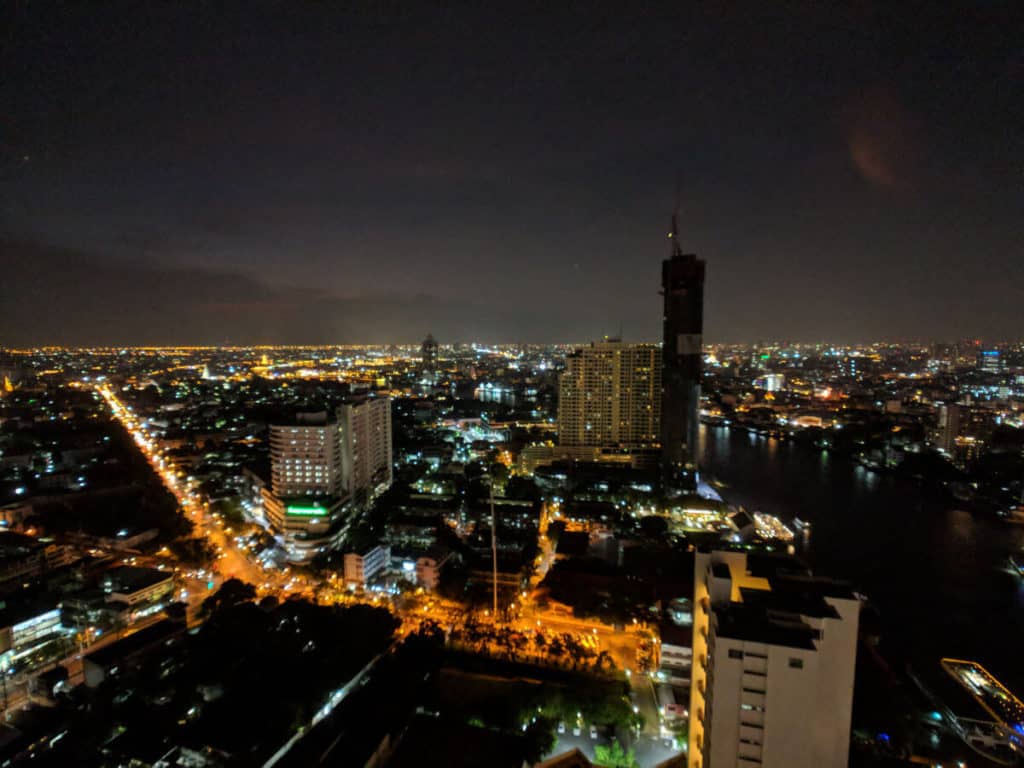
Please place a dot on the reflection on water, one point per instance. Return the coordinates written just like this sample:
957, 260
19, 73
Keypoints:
938, 574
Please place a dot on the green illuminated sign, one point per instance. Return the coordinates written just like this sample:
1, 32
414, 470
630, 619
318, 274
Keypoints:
306, 511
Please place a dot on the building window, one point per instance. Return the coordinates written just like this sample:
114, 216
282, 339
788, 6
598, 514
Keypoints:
796, 663
735, 654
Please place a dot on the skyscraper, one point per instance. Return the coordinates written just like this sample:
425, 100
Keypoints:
774, 655
429, 354
948, 428
323, 464
610, 396
304, 505
305, 456
682, 286
366, 445
989, 361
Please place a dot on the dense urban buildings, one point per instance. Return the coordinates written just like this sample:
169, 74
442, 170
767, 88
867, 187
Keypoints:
143, 489
254, 515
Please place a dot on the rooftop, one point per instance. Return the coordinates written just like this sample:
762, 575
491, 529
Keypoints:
437, 742
161, 632
306, 419
571, 759
752, 623
131, 578
16, 545
800, 603
23, 606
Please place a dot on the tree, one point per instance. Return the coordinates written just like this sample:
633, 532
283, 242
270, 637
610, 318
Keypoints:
556, 647
540, 739
603, 658
232, 592
614, 756
541, 643
654, 527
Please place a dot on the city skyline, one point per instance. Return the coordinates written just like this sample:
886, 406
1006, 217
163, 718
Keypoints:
844, 178
345, 420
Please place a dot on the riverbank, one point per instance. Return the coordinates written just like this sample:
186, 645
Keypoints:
937, 573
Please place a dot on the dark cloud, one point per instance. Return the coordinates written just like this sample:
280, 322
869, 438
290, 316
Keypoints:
884, 139
60, 296
305, 171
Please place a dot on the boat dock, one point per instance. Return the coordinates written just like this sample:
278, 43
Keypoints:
1005, 708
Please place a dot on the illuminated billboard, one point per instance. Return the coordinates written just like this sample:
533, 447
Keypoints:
305, 511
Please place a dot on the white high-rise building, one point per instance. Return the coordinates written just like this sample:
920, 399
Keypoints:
305, 503
305, 456
320, 462
610, 396
948, 427
774, 654
366, 445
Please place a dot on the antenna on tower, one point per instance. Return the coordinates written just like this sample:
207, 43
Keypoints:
674, 234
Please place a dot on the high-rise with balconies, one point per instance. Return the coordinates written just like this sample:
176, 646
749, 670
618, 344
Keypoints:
774, 653
610, 397
366, 465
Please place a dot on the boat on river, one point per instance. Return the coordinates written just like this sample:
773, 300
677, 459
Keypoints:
1016, 561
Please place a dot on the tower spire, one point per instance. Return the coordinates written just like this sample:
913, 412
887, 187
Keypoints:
673, 235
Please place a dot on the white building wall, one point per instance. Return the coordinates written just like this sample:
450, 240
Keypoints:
305, 460
366, 450
806, 708
359, 569
838, 651
790, 712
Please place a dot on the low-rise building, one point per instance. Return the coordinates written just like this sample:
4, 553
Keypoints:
115, 658
23, 557
27, 624
360, 568
429, 567
138, 591
676, 653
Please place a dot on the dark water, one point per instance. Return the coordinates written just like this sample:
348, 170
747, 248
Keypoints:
937, 574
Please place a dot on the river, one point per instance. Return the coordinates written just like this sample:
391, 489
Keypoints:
936, 573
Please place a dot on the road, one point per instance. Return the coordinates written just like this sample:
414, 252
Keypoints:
645, 702
231, 562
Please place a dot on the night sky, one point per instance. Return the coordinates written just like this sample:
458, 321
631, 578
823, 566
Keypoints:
296, 172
